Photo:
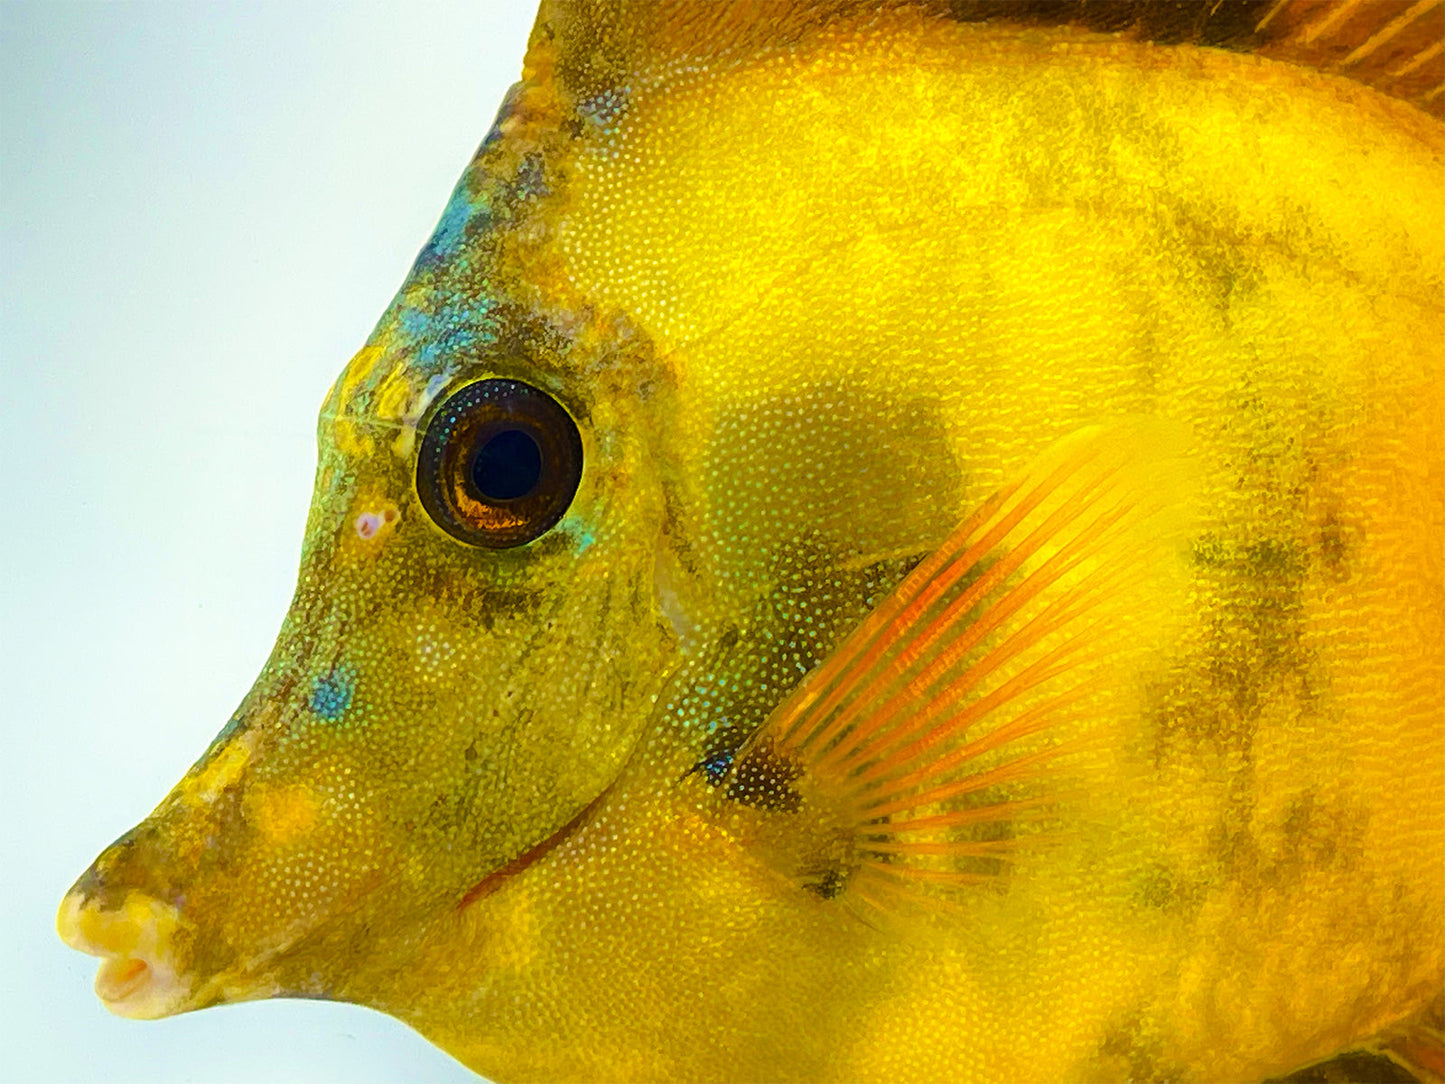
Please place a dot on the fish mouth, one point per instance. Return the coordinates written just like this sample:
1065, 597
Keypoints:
139, 977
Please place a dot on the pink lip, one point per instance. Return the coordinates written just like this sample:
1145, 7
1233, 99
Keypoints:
138, 975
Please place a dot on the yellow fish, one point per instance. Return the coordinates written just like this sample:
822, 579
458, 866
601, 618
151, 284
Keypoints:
877, 542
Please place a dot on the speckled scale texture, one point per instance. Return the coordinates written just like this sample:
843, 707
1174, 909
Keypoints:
817, 284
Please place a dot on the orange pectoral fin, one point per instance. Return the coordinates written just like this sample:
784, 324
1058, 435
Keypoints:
933, 738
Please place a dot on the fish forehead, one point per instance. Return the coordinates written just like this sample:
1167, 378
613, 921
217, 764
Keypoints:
1106, 249
717, 204
730, 302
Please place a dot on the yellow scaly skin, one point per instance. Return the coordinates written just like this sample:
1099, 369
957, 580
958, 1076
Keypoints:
809, 306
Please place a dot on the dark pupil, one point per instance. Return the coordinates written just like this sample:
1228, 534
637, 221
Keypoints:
507, 466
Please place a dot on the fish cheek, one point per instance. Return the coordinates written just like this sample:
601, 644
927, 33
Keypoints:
494, 700
487, 693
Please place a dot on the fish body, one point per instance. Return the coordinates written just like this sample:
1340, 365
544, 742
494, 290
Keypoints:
871, 545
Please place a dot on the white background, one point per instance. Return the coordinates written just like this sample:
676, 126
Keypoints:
205, 208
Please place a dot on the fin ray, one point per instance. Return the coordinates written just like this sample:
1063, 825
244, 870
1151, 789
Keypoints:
927, 584
939, 732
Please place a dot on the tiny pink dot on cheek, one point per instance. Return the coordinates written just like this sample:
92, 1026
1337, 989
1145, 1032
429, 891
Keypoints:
367, 524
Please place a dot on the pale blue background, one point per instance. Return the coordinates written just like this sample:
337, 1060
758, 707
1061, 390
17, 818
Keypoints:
204, 208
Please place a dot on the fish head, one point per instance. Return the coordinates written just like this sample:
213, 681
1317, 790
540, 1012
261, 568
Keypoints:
521, 530
473, 648
536, 510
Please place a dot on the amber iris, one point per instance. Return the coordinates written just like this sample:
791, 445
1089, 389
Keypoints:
499, 464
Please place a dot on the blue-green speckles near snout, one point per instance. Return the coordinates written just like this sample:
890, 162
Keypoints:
331, 693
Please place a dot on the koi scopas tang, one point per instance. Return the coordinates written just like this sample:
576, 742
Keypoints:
878, 542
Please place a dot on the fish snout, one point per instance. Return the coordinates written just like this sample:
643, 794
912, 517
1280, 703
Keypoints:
146, 906
127, 909
140, 975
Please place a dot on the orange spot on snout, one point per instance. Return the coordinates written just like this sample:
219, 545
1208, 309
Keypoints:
281, 814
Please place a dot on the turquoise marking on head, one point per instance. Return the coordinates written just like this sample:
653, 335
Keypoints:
464, 211
435, 339
452, 226
331, 693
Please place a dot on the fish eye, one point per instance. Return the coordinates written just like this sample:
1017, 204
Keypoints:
499, 464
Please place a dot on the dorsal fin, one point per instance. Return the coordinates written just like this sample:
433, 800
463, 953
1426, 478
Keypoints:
928, 742
1394, 46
